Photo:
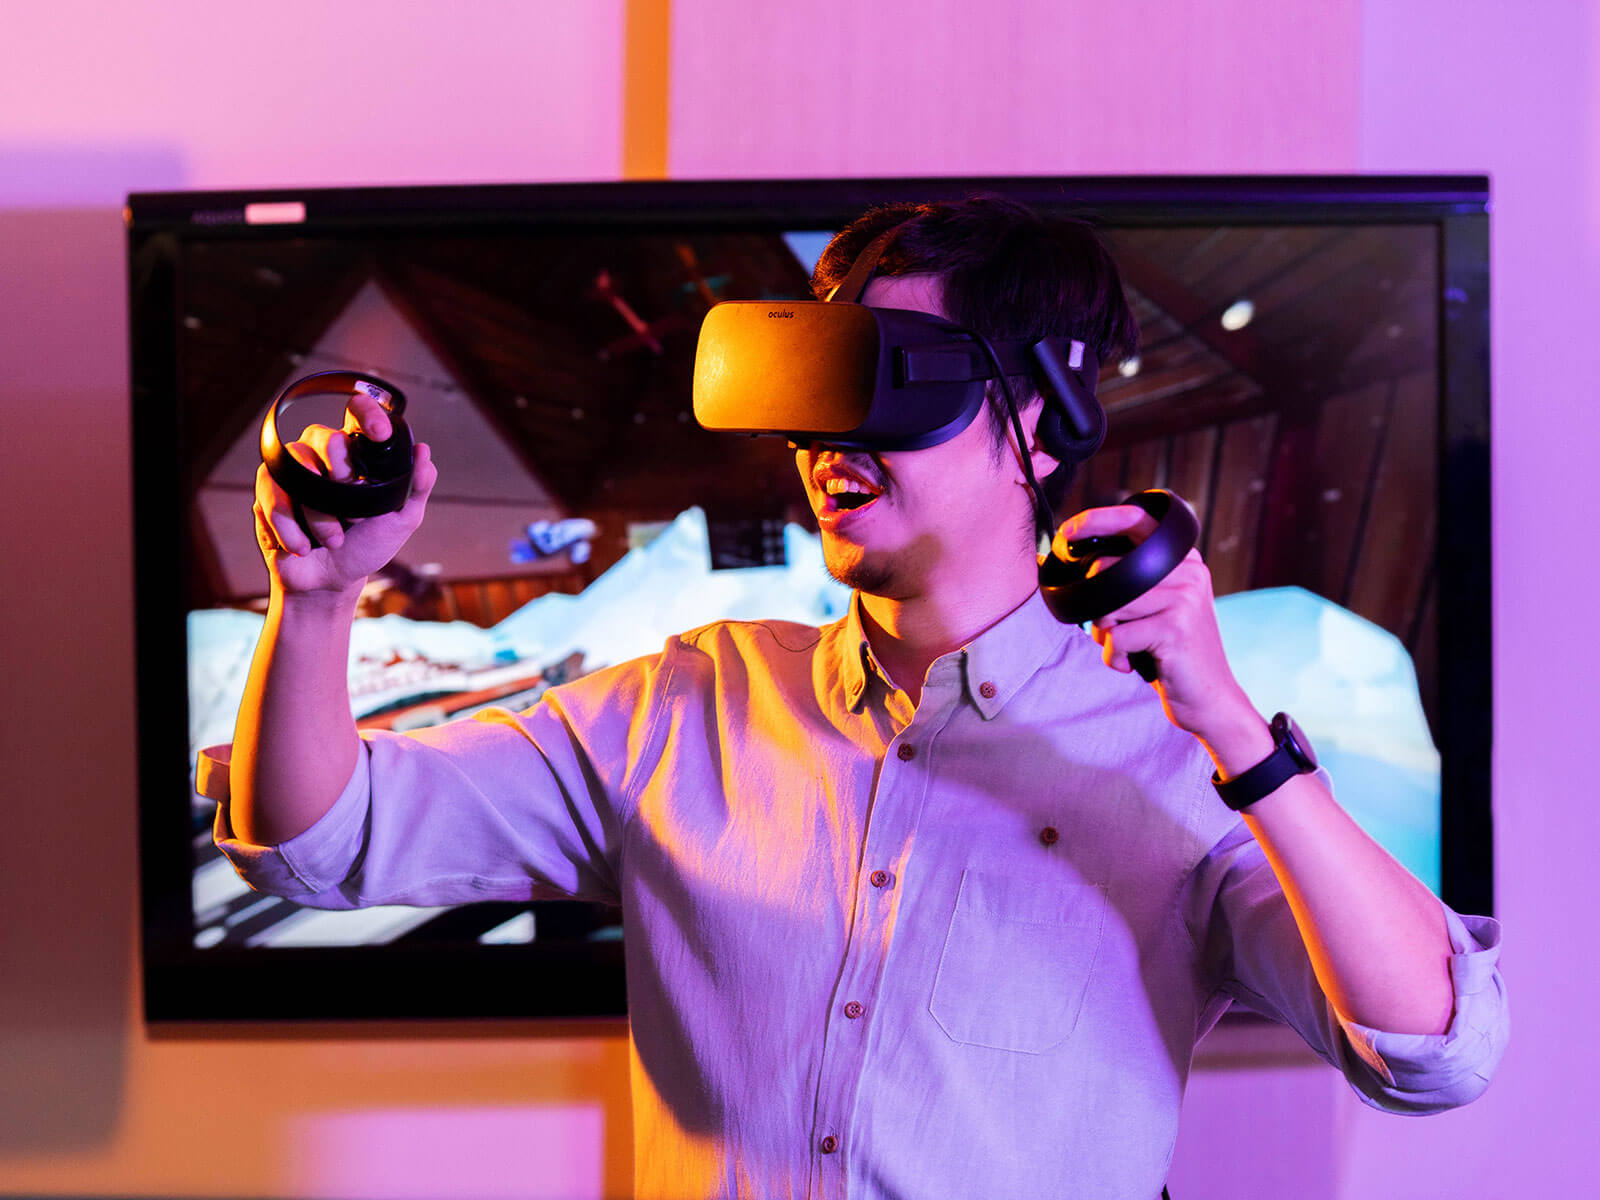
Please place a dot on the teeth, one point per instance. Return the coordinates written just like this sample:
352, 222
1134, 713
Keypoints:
835, 486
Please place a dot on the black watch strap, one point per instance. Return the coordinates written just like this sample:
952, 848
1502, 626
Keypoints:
1291, 755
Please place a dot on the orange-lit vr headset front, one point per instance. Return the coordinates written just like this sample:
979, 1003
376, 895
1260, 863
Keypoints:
869, 378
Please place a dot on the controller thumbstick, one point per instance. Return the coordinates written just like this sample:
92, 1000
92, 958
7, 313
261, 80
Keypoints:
371, 459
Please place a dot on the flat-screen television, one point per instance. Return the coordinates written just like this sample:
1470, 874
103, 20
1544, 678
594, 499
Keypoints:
1312, 376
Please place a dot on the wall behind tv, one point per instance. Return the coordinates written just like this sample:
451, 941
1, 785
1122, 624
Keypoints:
97, 100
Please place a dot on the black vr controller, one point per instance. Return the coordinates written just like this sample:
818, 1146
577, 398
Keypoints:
381, 471
1075, 596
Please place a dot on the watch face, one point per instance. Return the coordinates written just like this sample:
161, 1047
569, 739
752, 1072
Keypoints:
1296, 742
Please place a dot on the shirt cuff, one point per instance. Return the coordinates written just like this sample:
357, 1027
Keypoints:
315, 860
1449, 1068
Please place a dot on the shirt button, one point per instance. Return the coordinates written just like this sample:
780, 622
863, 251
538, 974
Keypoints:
1049, 836
880, 878
853, 1009
987, 690
830, 1144
906, 752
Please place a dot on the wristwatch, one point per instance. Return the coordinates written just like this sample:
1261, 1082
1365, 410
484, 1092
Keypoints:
1292, 756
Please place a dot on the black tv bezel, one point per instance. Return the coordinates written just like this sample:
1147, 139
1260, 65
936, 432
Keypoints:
183, 984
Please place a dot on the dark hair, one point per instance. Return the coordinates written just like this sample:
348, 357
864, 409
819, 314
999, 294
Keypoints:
1006, 272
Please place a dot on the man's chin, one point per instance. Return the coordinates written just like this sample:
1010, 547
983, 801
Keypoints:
874, 576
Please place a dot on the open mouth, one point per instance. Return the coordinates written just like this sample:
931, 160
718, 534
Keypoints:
847, 495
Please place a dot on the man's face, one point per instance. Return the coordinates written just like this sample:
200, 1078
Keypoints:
899, 523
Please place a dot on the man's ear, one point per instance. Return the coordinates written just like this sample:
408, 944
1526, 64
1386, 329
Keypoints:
1042, 461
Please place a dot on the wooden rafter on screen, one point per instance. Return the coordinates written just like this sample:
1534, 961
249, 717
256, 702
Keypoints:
229, 380
498, 353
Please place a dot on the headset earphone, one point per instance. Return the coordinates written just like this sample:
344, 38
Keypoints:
381, 470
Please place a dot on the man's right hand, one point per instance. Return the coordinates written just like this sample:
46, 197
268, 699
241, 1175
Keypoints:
346, 556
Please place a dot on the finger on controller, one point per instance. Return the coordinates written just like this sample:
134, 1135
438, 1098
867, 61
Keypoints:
367, 387
320, 529
1141, 661
1117, 544
371, 420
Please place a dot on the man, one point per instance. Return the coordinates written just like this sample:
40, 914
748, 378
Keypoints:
935, 901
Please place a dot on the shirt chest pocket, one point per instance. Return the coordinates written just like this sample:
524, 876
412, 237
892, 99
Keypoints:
1017, 961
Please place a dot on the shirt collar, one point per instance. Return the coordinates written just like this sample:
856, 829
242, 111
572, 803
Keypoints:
1006, 655
995, 664
857, 655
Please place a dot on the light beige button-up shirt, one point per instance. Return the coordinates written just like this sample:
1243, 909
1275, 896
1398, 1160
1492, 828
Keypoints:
960, 949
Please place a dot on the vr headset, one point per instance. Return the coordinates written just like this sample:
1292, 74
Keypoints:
864, 378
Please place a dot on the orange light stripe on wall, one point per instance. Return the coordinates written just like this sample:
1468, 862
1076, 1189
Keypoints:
646, 63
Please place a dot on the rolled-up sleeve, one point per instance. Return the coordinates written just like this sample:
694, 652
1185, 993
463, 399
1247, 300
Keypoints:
309, 866
1252, 952
1424, 1073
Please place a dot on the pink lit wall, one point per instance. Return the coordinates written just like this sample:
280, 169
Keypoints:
1516, 91
97, 100
949, 87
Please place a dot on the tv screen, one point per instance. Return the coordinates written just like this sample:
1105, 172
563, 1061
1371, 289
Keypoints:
1312, 377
